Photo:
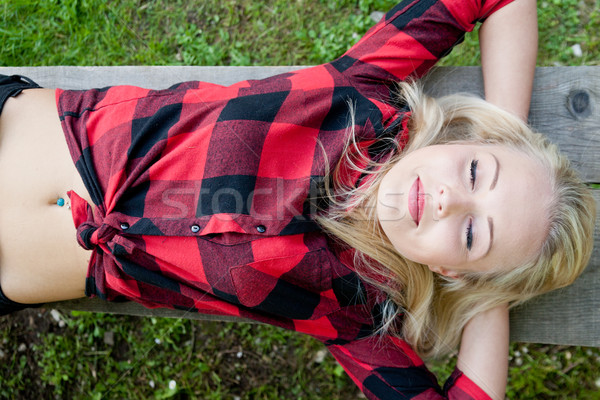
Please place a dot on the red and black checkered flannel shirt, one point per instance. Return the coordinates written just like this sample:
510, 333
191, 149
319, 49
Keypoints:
201, 192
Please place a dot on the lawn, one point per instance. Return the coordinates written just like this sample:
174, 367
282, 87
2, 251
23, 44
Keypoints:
83, 355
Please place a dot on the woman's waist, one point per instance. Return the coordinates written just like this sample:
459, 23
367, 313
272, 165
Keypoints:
36, 171
35, 164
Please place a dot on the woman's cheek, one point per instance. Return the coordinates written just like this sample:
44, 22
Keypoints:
445, 248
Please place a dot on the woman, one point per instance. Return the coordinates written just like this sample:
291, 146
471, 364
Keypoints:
199, 198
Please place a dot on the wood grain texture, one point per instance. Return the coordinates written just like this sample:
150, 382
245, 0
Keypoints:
565, 106
131, 308
151, 77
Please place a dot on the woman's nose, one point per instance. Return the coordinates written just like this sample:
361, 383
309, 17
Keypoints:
451, 202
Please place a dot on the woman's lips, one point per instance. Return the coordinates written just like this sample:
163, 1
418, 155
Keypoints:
416, 201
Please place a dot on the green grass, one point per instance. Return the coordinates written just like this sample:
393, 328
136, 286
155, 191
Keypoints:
119, 357
239, 32
229, 32
562, 24
106, 356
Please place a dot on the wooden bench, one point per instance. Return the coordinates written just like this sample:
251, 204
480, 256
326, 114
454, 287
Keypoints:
565, 106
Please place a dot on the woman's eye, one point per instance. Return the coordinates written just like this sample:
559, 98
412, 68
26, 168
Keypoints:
470, 235
473, 171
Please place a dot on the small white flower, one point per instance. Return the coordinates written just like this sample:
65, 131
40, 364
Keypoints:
524, 349
239, 354
157, 341
568, 355
517, 353
518, 361
376, 16
598, 382
320, 356
576, 49
55, 315
22, 347
172, 384
151, 383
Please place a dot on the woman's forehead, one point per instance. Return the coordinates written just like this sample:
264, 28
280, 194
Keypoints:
521, 212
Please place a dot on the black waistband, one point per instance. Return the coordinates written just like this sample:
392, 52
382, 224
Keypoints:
8, 306
11, 86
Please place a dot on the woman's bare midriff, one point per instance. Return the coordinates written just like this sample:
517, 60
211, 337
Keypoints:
40, 259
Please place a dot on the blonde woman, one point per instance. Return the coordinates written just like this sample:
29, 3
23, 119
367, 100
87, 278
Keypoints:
327, 200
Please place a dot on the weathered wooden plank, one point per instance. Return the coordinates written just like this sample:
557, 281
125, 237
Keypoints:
564, 107
131, 308
151, 77
565, 104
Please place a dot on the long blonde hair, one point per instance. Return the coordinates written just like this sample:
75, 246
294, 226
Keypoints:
435, 309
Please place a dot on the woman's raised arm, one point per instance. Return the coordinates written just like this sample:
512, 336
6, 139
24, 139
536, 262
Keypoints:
508, 41
483, 354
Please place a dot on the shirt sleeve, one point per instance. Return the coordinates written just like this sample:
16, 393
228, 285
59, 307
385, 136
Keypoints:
411, 38
386, 367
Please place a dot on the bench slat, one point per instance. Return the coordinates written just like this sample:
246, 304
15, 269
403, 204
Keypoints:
564, 106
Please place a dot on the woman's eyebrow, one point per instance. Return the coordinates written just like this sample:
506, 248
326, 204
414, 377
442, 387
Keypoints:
491, 225
490, 220
495, 179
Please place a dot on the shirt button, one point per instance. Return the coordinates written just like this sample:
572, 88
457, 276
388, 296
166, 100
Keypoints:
261, 229
124, 226
195, 228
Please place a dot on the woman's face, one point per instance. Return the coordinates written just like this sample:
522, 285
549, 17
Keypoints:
465, 207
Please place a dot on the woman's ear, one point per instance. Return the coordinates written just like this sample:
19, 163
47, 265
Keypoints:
443, 271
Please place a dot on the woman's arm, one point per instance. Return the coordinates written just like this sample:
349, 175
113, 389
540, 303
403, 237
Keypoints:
483, 354
508, 41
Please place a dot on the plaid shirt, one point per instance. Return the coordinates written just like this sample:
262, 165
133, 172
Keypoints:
201, 192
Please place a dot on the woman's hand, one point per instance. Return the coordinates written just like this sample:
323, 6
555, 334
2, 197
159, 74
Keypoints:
483, 354
508, 40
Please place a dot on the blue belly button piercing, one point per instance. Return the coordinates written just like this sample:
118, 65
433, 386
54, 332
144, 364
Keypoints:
60, 202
